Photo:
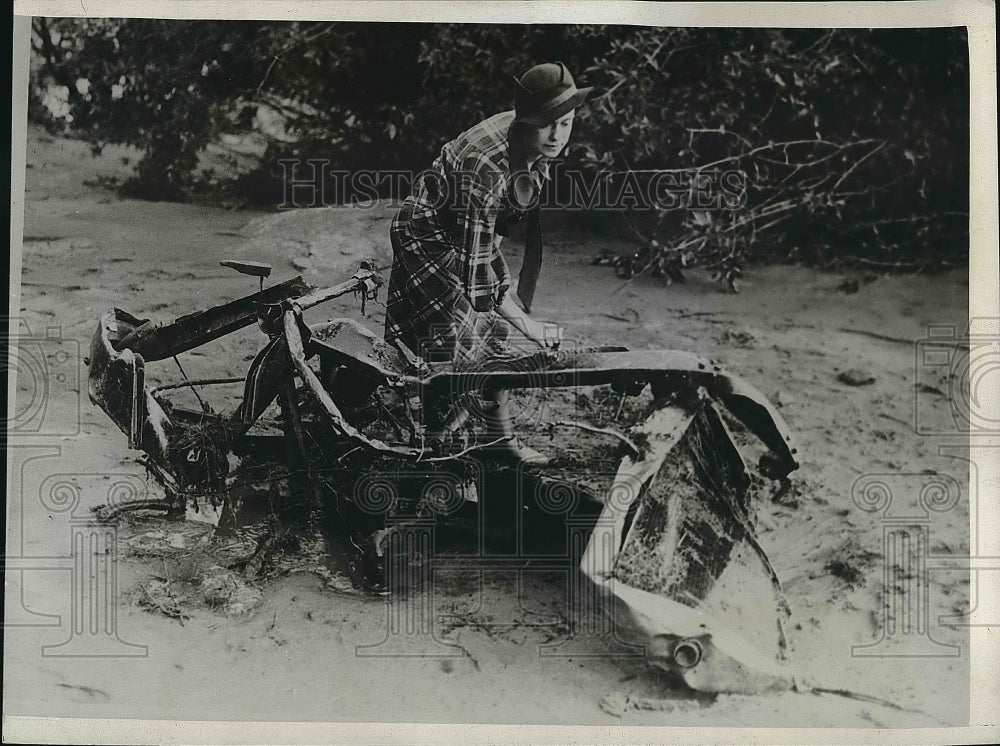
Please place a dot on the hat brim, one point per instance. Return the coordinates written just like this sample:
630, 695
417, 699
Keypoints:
542, 118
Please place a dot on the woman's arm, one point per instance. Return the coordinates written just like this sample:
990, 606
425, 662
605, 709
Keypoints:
541, 333
477, 223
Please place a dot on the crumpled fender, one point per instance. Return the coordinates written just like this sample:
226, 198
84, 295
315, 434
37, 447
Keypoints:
666, 371
700, 647
116, 383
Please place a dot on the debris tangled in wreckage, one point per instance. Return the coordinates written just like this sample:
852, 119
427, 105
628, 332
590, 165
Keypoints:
331, 420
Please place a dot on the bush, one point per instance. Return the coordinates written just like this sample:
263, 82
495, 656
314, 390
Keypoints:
853, 144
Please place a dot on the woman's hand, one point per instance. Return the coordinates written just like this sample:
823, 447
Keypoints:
544, 334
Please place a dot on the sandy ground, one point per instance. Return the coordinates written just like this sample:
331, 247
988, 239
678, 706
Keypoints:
790, 331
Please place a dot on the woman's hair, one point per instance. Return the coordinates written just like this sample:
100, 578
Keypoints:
516, 136
519, 129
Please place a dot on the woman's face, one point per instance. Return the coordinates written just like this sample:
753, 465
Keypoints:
549, 140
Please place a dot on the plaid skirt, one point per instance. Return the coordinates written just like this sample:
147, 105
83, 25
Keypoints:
426, 308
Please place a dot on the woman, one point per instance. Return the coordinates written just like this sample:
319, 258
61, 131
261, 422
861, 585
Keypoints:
448, 294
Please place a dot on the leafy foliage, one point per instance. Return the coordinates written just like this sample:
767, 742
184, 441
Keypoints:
164, 87
852, 144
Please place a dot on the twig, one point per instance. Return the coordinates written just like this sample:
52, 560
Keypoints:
862, 63
651, 57
898, 340
348, 453
681, 246
824, 40
857, 163
917, 218
771, 224
306, 39
621, 406
694, 314
274, 61
876, 335
601, 430
172, 613
898, 265
895, 419
470, 449
848, 694
770, 109
720, 130
754, 151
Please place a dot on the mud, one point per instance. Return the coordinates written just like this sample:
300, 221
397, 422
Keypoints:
308, 648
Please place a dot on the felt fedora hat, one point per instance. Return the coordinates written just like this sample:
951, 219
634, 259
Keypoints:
544, 93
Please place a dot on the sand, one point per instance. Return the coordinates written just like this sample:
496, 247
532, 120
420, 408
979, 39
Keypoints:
293, 656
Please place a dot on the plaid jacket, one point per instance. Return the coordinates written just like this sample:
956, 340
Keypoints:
464, 193
447, 234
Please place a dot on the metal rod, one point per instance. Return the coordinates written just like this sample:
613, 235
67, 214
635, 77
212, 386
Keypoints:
325, 294
196, 382
204, 407
334, 416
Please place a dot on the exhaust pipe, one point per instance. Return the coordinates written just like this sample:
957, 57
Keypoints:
687, 653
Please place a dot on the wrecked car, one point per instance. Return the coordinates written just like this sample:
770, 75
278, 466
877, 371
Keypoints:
329, 416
